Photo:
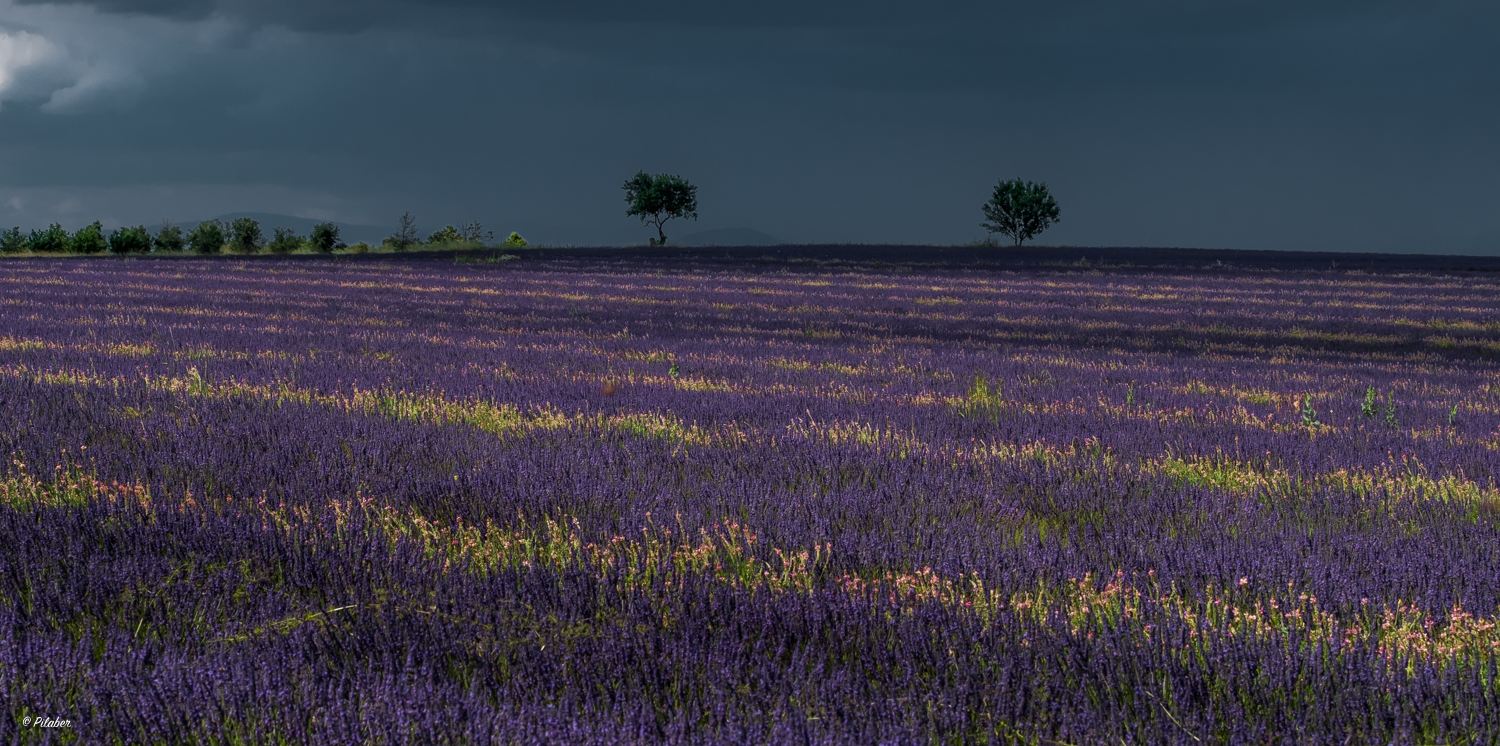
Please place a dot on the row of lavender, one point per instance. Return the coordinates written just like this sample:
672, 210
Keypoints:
310, 503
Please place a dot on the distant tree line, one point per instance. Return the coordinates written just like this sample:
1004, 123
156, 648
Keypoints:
1018, 209
238, 236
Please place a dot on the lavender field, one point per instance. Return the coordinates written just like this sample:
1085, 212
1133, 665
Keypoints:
612, 502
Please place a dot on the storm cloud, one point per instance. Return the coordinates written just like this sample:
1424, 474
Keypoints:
1278, 125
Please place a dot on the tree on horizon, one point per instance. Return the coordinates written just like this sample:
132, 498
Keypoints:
1019, 209
657, 199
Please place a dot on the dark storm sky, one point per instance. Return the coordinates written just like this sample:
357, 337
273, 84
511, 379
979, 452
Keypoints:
1279, 125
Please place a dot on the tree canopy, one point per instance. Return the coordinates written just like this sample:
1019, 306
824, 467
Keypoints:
245, 235
169, 238
1019, 209
659, 198
284, 241
127, 240
89, 239
445, 235
53, 240
325, 238
13, 241
207, 237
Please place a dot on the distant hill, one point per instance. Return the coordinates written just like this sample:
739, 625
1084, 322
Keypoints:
348, 232
727, 237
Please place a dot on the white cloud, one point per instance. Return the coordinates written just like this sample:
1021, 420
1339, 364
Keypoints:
21, 51
73, 59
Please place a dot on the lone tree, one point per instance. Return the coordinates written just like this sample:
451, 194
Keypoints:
1019, 209
657, 199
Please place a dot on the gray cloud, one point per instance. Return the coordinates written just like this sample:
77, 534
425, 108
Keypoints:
181, 9
346, 15
1280, 125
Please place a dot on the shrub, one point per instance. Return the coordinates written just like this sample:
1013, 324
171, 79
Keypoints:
89, 239
515, 241
129, 240
169, 238
53, 240
359, 248
448, 234
284, 241
13, 241
245, 236
207, 237
325, 238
